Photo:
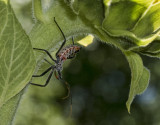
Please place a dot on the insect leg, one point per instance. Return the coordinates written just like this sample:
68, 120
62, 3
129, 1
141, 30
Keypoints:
43, 72
66, 83
60, 76
68, 88
63, 37
69, 92
71, 57
48, 62
55, 73
48, 79
46, 53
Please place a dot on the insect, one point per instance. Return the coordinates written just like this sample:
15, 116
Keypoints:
62, 55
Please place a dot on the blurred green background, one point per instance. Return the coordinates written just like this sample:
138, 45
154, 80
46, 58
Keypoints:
99, 78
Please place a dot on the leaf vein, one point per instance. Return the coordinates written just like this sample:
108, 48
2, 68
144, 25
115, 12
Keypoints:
21, 72
4, 25
2, 74
20, 55
19, 65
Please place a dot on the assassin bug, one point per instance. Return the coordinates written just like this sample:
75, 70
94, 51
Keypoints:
62, 54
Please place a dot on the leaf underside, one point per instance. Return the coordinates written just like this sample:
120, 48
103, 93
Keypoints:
16, 61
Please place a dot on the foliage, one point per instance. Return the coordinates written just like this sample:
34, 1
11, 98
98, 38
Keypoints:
130, 25
17, 61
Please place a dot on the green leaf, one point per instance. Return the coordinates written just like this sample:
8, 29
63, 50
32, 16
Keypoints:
38, 12
8, 110
90, 10
134, 20
16, 55
46, 35
139, 76
152, 50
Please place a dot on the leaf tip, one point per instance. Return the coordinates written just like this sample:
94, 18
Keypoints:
128, 107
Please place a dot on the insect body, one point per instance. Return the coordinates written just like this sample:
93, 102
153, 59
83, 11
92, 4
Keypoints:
62, 54
68, 52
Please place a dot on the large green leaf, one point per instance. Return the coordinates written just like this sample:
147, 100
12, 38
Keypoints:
90, 10
134, 20
16, 56
139, 76
85, 17
45, 34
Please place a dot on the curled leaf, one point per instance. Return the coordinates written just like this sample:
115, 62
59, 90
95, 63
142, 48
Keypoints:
139, 77
135, 20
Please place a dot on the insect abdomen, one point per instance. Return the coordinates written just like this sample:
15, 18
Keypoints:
68, 52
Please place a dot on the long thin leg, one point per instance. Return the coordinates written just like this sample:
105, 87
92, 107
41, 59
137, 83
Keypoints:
49, 77
46, 53
43, 72
55, 73
59, 77
63, 37
48, 62
67, 85
69, 94
68, 88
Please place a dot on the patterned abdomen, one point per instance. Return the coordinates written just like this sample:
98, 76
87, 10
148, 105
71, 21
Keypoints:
68, 52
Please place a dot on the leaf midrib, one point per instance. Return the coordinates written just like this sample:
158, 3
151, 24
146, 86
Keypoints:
144, 13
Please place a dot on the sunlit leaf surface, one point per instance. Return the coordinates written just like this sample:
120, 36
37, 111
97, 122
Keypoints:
134, 20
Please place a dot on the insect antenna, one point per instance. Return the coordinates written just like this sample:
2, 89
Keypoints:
62, 35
